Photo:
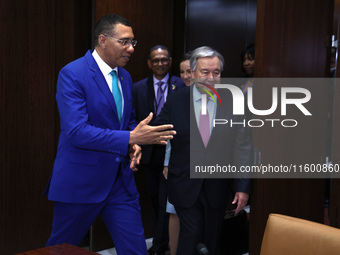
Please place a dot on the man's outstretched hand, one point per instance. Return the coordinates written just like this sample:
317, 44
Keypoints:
145, 134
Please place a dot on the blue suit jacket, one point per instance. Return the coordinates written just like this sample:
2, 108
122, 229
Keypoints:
144, 103
93, 145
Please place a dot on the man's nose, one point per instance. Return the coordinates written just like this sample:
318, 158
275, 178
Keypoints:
210, 75
130, 49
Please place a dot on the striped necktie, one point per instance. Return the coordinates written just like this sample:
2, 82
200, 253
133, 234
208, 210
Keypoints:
160, 97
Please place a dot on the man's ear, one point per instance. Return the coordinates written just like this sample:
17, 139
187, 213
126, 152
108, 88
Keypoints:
149, 64
102, 40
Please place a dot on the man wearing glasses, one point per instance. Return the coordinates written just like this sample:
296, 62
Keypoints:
97, 150
149, 95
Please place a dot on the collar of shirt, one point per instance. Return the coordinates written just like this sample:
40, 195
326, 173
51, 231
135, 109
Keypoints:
106, 71
211, 107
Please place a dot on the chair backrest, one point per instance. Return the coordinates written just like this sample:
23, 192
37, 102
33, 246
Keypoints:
285, 235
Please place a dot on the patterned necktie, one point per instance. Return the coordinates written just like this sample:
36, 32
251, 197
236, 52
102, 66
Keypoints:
204, 126
116, 94
160, 97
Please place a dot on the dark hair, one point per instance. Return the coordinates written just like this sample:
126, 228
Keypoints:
186, 56
250, 51
159, 46
107, 24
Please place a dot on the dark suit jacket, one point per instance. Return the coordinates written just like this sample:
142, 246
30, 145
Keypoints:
93, 145
143, 101
187, 145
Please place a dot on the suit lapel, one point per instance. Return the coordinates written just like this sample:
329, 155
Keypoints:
126, 96
195, 135
170, 89
221, 113
218, 115
100, 81
150, 92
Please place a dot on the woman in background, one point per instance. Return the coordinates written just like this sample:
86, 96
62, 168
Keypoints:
248, 66
184, 68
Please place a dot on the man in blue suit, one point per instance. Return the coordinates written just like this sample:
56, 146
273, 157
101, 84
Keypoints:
149, 95
92, 173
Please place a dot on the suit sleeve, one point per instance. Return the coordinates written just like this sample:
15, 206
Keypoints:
75, 122
163, 117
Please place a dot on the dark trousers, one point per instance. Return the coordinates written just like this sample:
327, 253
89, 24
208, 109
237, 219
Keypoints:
157, 195
199, 224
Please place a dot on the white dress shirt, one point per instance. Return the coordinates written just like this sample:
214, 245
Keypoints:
211, 107
106, 71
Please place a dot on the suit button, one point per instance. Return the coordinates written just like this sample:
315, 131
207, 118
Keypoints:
117, 159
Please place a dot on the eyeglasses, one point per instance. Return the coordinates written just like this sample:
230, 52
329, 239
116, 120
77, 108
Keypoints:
164, 61
124, 42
